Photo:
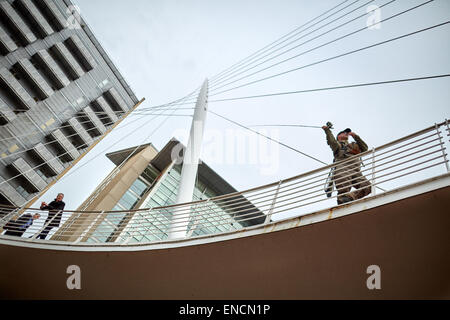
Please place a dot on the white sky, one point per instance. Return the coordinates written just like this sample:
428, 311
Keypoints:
166, 48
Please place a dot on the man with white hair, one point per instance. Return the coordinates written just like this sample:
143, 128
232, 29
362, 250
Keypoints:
55, 209
348, 174
19, 226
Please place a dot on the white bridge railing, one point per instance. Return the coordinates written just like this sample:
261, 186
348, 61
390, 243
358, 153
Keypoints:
411, 159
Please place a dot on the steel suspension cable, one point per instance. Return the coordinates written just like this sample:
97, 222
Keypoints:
274, 42
105, 117
258, 133
336, 87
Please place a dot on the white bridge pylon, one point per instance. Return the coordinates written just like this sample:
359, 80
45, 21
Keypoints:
191, 159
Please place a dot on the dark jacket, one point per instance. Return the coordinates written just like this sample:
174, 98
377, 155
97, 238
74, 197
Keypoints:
54, 208
342, 150
19, 226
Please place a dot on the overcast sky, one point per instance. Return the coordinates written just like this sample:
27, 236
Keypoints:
166, 48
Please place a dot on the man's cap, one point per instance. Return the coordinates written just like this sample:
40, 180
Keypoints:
348, 130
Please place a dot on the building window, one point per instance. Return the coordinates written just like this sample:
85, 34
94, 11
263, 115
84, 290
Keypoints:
22, 192
208, 221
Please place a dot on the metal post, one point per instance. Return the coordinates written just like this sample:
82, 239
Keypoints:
88, 229
73, 163
448, 128
190, 164
4, 220
45, 225
269, 213
135, 232
193, 226
443, 147
68, 224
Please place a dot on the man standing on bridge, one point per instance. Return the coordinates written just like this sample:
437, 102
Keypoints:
347, 174
19, 226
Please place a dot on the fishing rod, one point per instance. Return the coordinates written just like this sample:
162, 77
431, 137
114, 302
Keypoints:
328, 124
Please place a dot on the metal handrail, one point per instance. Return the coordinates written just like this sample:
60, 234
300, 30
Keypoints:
414, 153
308, 194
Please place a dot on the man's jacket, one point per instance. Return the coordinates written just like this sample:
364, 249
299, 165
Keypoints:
342, 149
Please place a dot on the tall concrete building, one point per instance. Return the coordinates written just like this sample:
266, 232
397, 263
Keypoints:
149, 178
59, 94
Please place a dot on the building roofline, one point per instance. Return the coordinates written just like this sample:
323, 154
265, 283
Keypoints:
211, 178
117, 157
105, 56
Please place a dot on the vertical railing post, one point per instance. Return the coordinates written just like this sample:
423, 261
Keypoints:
269, 213
4, 220
68, 224
373, 173
88, 229
443, 147
447, 123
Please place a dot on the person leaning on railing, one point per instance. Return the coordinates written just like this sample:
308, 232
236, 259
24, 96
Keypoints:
348, 174
19, 226
54, 214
